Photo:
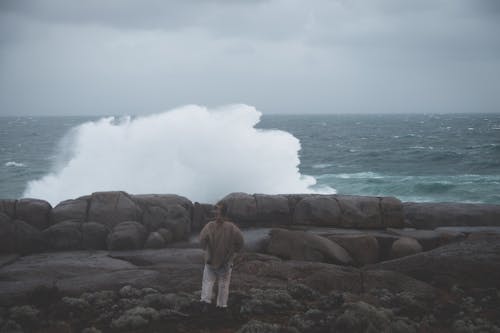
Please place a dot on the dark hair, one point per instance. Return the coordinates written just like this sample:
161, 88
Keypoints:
223, 207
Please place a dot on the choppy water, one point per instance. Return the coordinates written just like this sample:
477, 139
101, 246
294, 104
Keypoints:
452, 158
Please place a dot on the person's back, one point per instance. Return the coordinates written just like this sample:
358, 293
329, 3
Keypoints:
221, 240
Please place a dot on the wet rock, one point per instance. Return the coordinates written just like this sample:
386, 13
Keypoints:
364, 249
70, 210
135, 318
65, 235
34, 211
299, 245
112, 208
405, 246
94, 236
154, 241
126, 236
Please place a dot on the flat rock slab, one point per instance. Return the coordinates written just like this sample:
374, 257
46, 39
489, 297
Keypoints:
163, 256
470, 230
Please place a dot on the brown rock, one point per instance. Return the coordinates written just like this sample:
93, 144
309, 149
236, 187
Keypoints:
272, 209
392, 212
128, 235
241, 208
360, 212
299, 245
65, 235
154, 241
429, 239
405, 246
94, 236
172, 217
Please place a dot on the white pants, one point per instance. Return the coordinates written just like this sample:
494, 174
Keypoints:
223, 276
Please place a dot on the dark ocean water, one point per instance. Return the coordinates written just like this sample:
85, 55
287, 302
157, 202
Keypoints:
453, 157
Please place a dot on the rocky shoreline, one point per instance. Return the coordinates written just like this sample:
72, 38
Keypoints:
114, 262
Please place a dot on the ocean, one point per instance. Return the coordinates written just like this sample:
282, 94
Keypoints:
432, 158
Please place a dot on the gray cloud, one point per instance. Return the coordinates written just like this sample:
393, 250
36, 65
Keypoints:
124, 56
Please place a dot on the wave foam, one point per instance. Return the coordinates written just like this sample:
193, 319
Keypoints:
14, 164
191, 151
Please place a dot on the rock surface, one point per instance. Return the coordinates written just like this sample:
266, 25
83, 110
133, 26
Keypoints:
112, 208
34, 211
405, 246
127, 235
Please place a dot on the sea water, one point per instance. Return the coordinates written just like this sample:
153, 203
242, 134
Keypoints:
204, 154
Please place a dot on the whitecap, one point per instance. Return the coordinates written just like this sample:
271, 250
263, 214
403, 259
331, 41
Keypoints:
14, 164
321, 166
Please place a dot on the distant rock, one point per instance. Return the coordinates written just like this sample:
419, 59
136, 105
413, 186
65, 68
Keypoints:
172, 217
34, 211
167, 235
318, 210
64, 236
127, 236
299, 245
429, 239
360, 212
28, 239
241, 208
8, 207
272, 210
405, 246
7, 240
112, 208
70, 210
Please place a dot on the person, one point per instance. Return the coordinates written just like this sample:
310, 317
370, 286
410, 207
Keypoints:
221, 240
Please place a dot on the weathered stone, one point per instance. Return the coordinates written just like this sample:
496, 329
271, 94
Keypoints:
7, 240
363, 317
167, 235
70, 210
269, 301
94, 236
433, 215
363, 249
28, 239
429, 239
111, 208
241, 208
392, 212
64, 236
272, 210
135, 318
171, 217
127, 235
34, 211
298, 245
405, 246
256, 240
318, 210
162, 200
360, 212
154, 241
468, 263
8, 207
202, 213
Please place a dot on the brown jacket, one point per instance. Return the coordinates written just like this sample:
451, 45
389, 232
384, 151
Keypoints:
220, 240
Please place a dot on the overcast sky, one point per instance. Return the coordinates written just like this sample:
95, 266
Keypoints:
95, 57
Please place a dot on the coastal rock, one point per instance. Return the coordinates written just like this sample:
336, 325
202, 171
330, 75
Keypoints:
34, 211
64, 236
272, 209
269, 301
8, 207
360, 212
111, 208
70, 210
167, 235
472, 262
171, 217
127, 236
392, 213
154, 241
299, 245
317, 210
429, 239
405, 246
241, 208
433, 215
256, 240
162, 200
94, 236
28, 239
202, 214
7, 241
363, 249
